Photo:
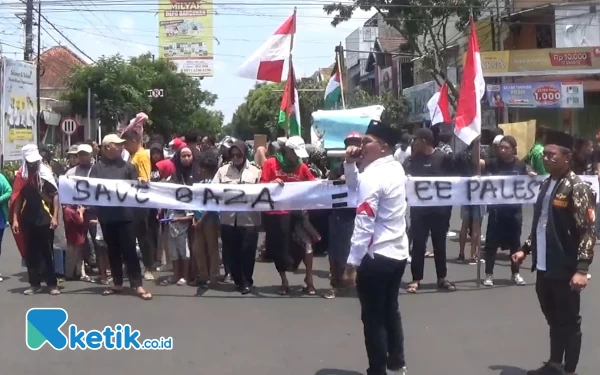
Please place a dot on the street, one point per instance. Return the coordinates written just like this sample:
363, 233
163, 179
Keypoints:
473, 331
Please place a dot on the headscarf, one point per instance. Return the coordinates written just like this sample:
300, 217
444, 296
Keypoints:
186, 175
240, 145
160, 148
314, 159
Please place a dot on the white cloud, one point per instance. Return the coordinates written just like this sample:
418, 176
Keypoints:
127, 25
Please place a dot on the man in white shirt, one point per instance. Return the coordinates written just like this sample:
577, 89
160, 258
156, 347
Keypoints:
562, 243
379, 245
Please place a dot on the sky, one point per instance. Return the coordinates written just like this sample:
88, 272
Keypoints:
130, 28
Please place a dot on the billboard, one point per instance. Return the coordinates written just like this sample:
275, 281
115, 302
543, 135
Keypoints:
536, 95
546, 61
185, 35
19, 108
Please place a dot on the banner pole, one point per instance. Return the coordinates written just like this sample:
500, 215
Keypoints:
339, 64
292, 84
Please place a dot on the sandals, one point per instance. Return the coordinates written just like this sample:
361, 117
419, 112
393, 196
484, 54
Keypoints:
86, 279
111, 291
446, 285
309, 290
330, 294
146, 296
284, 290
413, 287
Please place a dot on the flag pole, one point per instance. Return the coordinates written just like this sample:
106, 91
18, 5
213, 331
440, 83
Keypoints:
290, 77
338, 61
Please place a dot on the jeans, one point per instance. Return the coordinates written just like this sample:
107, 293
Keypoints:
378, 284
40, 248
240, 243
144, 237
560, 306
1, 236
424, 222
503, 231
120, 243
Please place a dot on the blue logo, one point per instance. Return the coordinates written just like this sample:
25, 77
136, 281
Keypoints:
43, 325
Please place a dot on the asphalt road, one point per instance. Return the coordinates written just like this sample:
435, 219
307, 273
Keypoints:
473, 331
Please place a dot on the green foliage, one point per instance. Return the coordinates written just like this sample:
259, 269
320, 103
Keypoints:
122, 88
424, 25
9, 170
260, 112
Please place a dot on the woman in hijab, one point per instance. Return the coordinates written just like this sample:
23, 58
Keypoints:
317, 162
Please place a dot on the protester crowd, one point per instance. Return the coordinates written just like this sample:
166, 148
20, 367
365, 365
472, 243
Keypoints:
369, 245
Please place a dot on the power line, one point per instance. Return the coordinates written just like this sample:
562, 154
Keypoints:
65, 38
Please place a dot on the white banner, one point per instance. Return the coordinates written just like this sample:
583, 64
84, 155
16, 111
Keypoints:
486, 190
314, 195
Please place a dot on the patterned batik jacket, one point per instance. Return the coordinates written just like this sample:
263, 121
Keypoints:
570, 231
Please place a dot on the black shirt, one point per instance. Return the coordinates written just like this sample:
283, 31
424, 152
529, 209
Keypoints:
37, 204
117, 169
436, 164
498, 167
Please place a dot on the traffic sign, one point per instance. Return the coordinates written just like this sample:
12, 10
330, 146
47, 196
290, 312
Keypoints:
156, 93
68, 125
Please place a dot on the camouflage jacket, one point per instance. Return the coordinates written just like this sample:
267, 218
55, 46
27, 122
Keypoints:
570, 230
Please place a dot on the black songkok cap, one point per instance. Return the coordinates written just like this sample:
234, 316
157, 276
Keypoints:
555, 137
384, 132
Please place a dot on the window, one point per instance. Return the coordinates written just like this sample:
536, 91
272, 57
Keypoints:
543, 34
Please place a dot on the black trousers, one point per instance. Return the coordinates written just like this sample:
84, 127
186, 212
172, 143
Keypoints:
39, 240
153, 226
144, 237
503, 231
278, 240
560, 306
120, 241
423, 223
240, 243
378, 284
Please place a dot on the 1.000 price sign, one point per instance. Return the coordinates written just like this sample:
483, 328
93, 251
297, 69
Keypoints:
547, 95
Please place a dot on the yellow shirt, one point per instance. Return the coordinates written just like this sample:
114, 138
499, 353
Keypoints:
141, 161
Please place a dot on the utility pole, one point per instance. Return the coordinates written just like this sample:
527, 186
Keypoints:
28, 30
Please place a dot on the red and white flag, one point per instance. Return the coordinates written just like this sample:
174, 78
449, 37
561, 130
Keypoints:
266, 63
472, 87
439, 106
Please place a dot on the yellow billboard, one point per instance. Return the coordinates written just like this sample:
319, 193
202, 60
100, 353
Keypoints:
185, 35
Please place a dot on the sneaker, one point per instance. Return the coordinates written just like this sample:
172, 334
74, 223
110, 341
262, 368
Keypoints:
148, 276
54, 291
489, 280
518, 279
31, 291
402, 371
547, 369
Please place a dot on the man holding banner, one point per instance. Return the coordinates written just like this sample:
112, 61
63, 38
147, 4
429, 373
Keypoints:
562, 243
379, 250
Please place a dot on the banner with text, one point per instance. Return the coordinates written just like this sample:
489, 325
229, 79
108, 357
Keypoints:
313, 195
488, 190
536, 95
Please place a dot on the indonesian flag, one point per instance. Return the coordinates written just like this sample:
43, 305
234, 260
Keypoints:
266, 64
472, 87
333, 91
439, 106
290, 106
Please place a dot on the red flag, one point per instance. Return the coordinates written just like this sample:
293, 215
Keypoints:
439, 106
472, 87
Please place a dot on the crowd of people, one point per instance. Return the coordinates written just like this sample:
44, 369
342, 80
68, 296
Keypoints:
369, 245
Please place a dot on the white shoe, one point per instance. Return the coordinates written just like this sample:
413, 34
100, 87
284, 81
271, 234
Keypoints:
451, 234
517, 279
489, 280
402, 371
148, 276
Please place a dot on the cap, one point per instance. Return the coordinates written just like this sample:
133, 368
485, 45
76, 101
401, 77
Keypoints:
383, 131
297, 144
177, 143
426, 135
112, 138
31, 154
555, 137
72, 150
84, 147
498, 139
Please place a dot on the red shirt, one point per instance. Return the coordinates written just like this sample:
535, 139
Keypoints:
74, 227
271, 171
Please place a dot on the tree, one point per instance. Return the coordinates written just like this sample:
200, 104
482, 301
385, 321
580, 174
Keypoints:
424, 25
122, 88
260, 112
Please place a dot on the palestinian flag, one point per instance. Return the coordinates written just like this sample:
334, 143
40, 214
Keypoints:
333, 91
290, 106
